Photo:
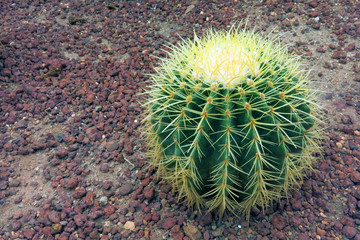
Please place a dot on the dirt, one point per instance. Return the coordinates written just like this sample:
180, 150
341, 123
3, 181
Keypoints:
91, 67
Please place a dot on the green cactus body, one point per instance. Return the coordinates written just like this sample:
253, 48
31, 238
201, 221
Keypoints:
236, 132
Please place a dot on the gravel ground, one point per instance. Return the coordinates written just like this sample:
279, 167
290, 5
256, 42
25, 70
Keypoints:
71, 156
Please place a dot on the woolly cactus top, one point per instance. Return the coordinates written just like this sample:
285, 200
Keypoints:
228, 58
224, 59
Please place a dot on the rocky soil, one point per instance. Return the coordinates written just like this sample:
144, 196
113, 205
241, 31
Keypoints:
72, 163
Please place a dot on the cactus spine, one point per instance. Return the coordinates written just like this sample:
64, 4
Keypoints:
231, 121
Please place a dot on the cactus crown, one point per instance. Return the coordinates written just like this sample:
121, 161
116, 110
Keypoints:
227, 57
231, 122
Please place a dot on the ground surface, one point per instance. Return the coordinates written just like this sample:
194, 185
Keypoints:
72, 163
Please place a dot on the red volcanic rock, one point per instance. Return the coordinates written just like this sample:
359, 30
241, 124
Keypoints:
356, 68
332, 46
29, 233
79, 193
54, 217
303, 236
23, 151
125, 189
320, 231
93, 133
205, 219
320, 50
155, 216
16, 225
149, 192
338, 225
113, 96
355, 176
176, 233
316, 26
349, 232
22, 124
36, 145
107, 185
104, 167
278, 222
314, 14
296, 205
112, 146
350, 47
8, 147
109, 210
61, 152
339, 55
89, 198
313, 3
168, 223
346, 119
71, 183
18, 199
79, 220
280, 235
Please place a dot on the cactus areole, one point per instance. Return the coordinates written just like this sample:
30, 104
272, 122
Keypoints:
231, 122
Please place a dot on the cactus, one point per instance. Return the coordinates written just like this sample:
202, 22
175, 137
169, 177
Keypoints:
231, 121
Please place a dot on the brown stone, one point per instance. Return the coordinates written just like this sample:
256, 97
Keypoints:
109, 210
149, 192
55, 228
320, 231
350, 47
29, 233
339, 55
320, 50
125, 189
316, 26
89, 198
93, 133
192, 232
313, 4
169, 223
349, 232
22, 124
71, 183
355, 176
104, 167
61, 152
79, 193
54, 217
